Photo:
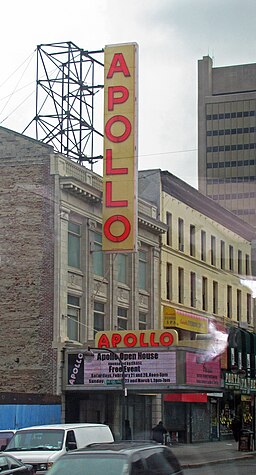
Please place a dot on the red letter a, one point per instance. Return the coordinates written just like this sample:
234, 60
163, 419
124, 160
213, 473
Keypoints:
118, 65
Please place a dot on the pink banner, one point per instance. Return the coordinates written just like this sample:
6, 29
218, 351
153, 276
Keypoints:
202, 373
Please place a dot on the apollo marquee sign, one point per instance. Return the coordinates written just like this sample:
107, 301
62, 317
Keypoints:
120, 168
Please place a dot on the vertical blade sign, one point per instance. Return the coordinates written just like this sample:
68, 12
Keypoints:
120, 168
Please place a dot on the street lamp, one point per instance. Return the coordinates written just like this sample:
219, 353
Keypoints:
89, 356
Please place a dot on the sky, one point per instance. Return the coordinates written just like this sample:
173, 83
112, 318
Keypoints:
172, 36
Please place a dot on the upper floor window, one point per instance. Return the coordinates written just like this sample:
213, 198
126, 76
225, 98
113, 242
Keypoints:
247, 264
231, 258
204, 293
229, 301
98, 258
143, 321
239, 262
249, 308
213, 250
203, 245
122, 268
143, 270
181, 234
73, 314
122, 318
74, 244
169, 230
238, 304
169, 281
222, 254
192, 289
98, 317
192, 241
180, 285
215, 302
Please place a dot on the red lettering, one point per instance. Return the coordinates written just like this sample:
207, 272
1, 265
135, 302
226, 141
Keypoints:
166, 339
118, 138
142, 342
109, 202
130, 339
109, 169
123, 235
113, 99
118, 65
103, 341
116, 338
152, 339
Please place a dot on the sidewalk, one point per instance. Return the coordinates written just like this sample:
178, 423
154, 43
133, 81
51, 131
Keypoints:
196, 454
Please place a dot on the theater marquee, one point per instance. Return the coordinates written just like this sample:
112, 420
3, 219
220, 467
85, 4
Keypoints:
120, 166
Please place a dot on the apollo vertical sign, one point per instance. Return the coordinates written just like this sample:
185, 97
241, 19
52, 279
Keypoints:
120, 148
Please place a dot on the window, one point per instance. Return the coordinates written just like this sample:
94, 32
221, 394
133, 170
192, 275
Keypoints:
215, 297
122, 313
98, 317
204, 293
169, 230
203, 245
73, 314
122, 268
98, 258
213, 250
239, 262
231, 258
192, 289
181, 234
248, 308
229, 301
222, 255
180, 285
142, 321
74, 239
192, 240
247, 264
143, 270
238, 304
169, 281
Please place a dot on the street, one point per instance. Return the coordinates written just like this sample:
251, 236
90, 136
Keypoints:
237, 467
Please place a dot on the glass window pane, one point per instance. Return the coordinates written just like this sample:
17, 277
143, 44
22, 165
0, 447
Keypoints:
98, 259
73, 250
122, 268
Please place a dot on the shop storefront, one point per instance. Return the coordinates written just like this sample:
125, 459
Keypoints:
130, 372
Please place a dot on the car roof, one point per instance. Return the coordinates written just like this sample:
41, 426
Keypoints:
63, 426
124, 448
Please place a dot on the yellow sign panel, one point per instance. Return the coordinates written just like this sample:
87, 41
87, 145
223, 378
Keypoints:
136, 338
120, 167
177, 319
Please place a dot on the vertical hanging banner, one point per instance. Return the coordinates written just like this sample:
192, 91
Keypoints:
120, 163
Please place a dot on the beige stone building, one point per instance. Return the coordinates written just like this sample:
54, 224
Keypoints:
226, 136
58, 288
205, 276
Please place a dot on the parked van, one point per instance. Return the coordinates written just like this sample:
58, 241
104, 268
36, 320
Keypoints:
41, 446
5, 437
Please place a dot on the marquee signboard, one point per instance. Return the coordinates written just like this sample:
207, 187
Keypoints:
150, 368
120, 166
136, 338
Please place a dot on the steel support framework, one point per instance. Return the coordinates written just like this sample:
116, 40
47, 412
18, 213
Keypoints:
65, 99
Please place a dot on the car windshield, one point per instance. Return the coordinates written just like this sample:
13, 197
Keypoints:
94, 464
37, 440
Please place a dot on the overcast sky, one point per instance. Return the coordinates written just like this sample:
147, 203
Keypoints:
172, 35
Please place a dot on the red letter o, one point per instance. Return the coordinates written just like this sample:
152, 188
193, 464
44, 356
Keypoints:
111, 220
164, 336
128, 337
125, 135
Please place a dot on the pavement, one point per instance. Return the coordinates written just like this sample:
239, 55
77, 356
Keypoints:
205, 453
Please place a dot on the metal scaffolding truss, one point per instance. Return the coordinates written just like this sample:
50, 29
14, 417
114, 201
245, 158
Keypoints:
65, 99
